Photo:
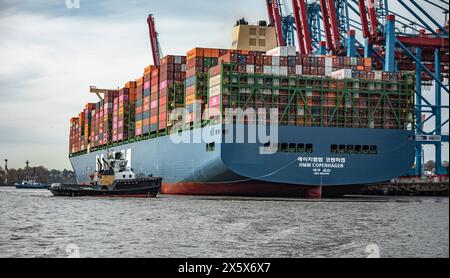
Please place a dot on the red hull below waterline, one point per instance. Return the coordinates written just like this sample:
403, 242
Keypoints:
242, 189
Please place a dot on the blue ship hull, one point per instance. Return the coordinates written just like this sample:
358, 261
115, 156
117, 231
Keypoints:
19, 186
240, 169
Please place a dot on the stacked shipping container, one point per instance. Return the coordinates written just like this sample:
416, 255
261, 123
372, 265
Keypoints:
124, 113
198, 63
139, 106
370, 100
327, 91
154, 96
172, 75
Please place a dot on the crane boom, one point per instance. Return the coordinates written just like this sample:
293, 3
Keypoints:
298, 23
270, 12
156, 52
278, 22
364, 22
99, 92
305, 24
326, 24
372, 17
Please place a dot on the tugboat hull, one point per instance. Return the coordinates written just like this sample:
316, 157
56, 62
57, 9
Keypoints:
139, 188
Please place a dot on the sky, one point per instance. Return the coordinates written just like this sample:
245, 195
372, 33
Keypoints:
51, 54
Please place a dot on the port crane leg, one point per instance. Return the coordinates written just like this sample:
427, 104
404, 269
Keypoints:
418, 114
351, 43
390, 44
437, 114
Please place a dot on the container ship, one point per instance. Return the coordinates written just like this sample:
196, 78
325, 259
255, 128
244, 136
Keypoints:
340, 122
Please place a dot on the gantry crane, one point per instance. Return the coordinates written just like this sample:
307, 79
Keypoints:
331, 26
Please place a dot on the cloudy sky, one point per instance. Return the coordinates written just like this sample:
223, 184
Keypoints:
51, 54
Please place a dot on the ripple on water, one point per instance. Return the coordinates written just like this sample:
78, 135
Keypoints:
34, 224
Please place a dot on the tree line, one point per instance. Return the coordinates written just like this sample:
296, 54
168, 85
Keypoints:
40, 173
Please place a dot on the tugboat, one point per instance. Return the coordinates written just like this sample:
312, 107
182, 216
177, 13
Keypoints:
30, 183
116, 180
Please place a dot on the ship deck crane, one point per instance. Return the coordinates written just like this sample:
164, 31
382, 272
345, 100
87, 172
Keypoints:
99, 92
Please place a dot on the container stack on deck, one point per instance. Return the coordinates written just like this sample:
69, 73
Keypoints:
198, 63
139, 106
124, 113
88, 124
171, 94
74, 139
326, 91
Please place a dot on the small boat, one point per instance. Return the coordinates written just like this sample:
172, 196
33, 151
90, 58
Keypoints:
116, 180
30, 182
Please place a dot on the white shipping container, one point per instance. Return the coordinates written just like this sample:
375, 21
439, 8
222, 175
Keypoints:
275, 60
342, 74
329, 62
250, 69
328, 71
279, 51
283, 71
214, 81
177, 59
276, 82
275, 70
378, 75
292, 51
299, 70
267, 69
214, 91
267, 91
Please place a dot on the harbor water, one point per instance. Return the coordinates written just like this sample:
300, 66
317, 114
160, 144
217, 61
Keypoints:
35, 224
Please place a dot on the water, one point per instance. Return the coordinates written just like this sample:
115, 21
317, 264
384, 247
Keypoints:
35, 224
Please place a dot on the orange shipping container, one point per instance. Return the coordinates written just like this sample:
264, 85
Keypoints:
148, 70
130, 85
190, 90
139, 124
196, 52
140, 82
190, 99
215, 53
153, 119
155, 74
207, 52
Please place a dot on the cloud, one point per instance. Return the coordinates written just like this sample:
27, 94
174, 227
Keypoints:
51, 55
